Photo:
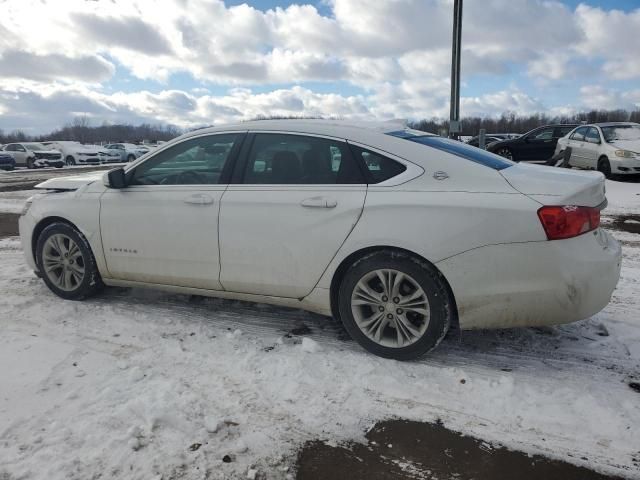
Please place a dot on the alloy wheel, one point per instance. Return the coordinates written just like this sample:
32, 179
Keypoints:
63, 262
390, 308
506, 153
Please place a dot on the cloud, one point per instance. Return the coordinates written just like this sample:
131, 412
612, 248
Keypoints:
394, 54
130, 33
54, 67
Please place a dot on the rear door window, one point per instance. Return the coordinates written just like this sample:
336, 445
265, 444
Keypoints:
592, 135
284, 159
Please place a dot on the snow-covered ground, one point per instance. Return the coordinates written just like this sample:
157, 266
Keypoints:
138, 385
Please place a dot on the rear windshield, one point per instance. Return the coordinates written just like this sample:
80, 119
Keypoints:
453, 147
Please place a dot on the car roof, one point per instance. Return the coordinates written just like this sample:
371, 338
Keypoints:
353, 130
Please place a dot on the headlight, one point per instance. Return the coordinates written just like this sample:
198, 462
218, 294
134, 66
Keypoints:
625, 153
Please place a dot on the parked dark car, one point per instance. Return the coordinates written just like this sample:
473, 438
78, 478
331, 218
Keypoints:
538, 144
6, 161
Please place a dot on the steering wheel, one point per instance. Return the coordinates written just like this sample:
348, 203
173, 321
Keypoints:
187, 177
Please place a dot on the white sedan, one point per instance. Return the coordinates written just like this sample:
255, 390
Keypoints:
399, 233
612, 148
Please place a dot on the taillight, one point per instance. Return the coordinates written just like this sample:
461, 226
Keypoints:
568, 221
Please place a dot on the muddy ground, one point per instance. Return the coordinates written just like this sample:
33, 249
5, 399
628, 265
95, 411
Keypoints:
400, 449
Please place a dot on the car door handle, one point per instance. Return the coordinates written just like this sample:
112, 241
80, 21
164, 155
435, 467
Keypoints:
198, 199
319, 202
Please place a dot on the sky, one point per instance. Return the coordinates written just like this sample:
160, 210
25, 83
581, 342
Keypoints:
190, 63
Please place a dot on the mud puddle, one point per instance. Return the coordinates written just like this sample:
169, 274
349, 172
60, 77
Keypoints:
401, 449
8, 224
625, 223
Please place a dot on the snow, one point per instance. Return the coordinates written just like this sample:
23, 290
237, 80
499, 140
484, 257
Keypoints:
141, 384
12, 202
623, 197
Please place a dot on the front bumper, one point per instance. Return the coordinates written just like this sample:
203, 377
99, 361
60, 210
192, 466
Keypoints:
625, 166
534, 283
26, 224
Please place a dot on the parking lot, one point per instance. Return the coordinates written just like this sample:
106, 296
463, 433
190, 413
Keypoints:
179, 386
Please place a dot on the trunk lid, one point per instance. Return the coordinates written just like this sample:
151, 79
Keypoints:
557, 186
70, 183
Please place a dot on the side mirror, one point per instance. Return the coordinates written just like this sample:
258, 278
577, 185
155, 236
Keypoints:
115, 178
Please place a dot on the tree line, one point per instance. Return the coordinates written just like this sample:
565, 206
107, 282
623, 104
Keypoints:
80, 129
510, 122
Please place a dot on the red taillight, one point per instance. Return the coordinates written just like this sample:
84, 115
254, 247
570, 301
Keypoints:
568, 221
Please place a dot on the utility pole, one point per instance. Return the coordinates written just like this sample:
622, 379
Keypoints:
454, 114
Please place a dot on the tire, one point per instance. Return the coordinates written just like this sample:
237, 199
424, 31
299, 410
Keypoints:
604, 166
507, 153
30, 164
59, 166
70, 161
60, 273
401, 335
131, 158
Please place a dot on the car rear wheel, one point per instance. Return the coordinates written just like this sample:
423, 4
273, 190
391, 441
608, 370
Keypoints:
70, 161
131, 158
506, 153
604, 166
66, 262
394, 305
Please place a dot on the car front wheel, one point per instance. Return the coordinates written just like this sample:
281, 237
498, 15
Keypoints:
604, 166
66, 262
131, 158
70, 161
394, 305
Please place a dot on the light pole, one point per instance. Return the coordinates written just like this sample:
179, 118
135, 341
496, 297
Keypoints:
454, 114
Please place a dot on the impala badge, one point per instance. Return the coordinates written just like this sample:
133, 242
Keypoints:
440, 175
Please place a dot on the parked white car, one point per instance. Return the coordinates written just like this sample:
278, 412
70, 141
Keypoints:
128, 152
75, 153
34, 155
399, 233
611, 148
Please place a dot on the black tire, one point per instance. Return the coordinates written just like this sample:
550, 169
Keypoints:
441, 306
91, 282
59, 166
70, 161
131, 158
30, 164
605, 167
507, 153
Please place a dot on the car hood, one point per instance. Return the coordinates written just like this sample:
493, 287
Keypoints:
632, 145
556, 186
70, 183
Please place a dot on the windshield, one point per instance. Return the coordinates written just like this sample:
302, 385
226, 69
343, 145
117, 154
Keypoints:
34, 146
621, 132
456, 148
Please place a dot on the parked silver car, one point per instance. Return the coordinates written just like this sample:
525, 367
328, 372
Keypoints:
34, 155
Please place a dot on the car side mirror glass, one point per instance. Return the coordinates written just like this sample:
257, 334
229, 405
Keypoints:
115, 178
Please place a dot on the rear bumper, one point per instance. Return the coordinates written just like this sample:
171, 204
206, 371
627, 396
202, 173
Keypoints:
534, 283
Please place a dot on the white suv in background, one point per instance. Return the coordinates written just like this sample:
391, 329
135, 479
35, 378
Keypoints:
611, 148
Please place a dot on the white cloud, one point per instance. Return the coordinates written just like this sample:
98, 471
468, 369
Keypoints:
397, 51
